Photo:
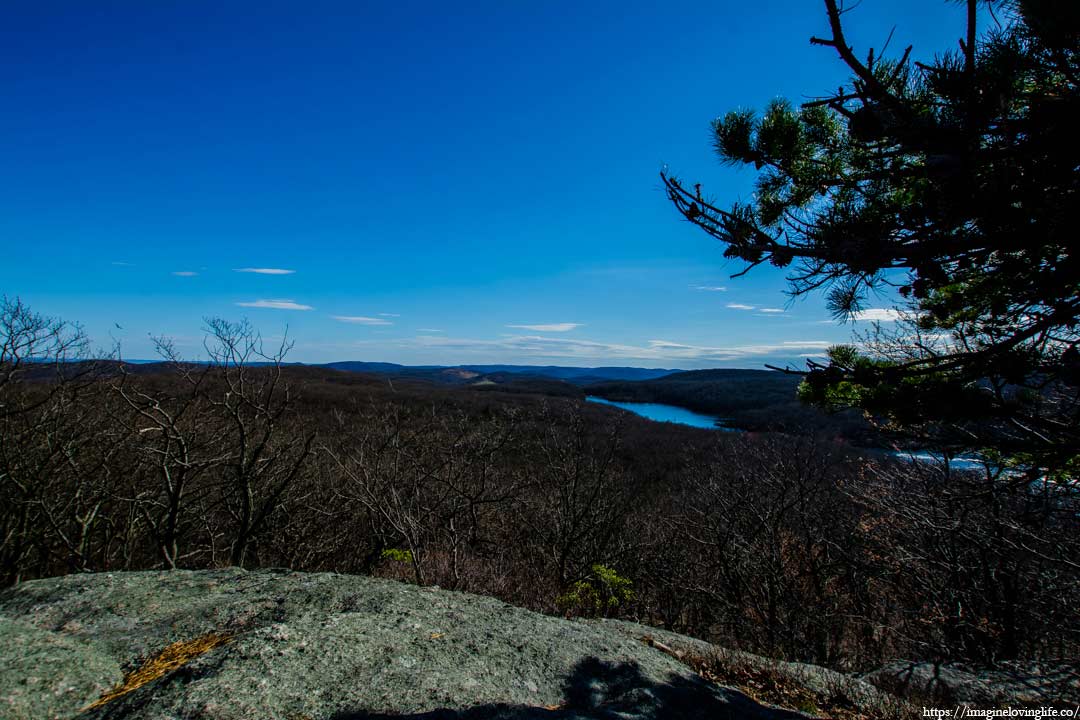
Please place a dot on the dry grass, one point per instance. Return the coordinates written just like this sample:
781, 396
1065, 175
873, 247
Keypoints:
767, 685
762, 685
171, 658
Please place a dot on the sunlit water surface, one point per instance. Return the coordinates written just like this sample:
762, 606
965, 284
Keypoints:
673, 414
666, 413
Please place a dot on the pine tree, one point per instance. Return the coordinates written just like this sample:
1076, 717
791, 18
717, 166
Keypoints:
953, 184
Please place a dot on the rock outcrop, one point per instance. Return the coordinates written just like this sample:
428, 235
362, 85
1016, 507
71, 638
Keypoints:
945, 684
232, 645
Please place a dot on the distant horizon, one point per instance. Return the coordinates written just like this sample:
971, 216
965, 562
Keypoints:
429, 366
470, 363
148, 361
143, 361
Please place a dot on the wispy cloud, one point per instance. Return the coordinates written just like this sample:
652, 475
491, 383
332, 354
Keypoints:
361, 320
185, 273
389, 314
771, 311
549, 327
878, 314
663, 351
870, 315
275, 305
429, 330
122, 264
265, 271
739, 306
710, 288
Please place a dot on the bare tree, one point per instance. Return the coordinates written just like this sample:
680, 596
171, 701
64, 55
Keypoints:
756, 535
42, 442
216, 443
425, 482
177, 438
263, 460
578, 500
987, 559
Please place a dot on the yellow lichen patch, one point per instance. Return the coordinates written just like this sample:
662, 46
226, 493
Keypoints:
172, 657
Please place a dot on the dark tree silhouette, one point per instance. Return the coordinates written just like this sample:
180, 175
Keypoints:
952, 183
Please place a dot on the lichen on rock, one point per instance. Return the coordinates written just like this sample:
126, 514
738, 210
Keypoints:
323, 647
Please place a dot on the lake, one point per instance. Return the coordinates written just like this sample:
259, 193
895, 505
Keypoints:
673, 414
666, 413
923, 456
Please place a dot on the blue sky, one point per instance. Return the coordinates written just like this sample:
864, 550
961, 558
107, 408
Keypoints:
444, 182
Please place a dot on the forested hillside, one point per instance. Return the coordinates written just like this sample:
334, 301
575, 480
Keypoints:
760, 400
548, 503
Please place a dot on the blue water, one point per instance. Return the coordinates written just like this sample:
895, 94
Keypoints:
926, 457
665, 413
682, 416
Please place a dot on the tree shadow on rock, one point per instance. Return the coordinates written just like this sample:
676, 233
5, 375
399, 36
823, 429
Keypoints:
600, 690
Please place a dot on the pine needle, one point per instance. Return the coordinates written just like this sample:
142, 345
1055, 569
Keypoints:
171, 658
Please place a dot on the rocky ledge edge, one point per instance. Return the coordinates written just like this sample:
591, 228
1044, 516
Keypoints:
232, 644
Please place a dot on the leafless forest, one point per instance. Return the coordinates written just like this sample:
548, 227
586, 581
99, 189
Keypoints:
789, 545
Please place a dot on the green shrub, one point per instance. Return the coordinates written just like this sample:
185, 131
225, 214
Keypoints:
397, 555
600, 594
